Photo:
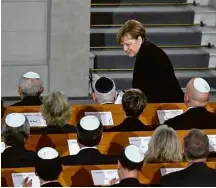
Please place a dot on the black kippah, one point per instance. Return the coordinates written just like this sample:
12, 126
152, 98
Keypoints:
104, 85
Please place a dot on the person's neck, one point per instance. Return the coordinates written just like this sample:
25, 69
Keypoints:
190, 162
129, 174
194, 105
42, 182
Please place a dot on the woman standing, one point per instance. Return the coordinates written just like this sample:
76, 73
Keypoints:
153, 72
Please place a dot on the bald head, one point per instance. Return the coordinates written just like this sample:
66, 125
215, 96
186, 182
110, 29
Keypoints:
197, 92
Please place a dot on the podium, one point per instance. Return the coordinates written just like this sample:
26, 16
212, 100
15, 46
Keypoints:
50, 37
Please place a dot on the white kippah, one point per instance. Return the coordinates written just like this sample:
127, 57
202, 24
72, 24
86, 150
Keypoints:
47, 153
134, 154
31, 75
89, 123
15, 120
201, 85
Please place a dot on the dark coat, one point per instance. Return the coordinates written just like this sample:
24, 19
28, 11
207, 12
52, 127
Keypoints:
29, 101
129, 124
54, 129
154, 75
89, 156
17, 156
129, 182
52, 184
197, 174
198, 117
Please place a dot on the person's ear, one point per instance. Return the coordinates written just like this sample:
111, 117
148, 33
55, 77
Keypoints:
140, 40
42, 89
19, 91
94, 97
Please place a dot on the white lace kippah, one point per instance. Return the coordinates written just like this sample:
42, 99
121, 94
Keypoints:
201, 85
89, 123
134, 154
47, 153
15, 120
31, 75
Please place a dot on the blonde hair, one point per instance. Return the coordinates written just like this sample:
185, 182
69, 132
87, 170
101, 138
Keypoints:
132, 28
56, 109
164, 146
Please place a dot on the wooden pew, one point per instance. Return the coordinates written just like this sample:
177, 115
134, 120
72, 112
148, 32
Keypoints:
149, 116
111, 142
81, 175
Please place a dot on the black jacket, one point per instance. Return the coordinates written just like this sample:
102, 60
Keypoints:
89, 156
129, 124
129, 182
17, 156
29, 101
54, 129
198, 117
154, 75
197, 174
52, 184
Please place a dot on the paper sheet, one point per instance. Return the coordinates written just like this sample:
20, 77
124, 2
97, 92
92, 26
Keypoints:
2, 146
103, 177
35, 119
141, 142
73, 146
164, 115
212, 142
19, 177
104, 117
165, 171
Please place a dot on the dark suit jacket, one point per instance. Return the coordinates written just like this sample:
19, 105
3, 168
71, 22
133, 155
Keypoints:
52, 184
54, 129
197, 117
154, 75
17, 156
129, 124
29, 101
197, 174
89, 156
129, 182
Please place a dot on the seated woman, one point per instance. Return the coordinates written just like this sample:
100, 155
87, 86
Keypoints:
164, 146
56, 111
15, 132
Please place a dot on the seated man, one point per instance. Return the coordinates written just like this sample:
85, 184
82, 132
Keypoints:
129, 164
48, 167
30, 89
197, 116
89, 133
196, 150
15, 132
133, 102
104, 91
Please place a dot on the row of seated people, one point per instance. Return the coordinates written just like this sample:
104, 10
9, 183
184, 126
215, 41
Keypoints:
56, 108
164, 146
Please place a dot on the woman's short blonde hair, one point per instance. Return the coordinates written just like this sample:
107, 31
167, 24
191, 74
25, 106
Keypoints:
164, 146
56, 109
133, 28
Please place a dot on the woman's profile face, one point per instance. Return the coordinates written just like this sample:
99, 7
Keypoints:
130, 45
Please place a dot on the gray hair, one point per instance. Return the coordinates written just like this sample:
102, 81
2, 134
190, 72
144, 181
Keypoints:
196, 145
56, 109
14, 136
164, 146
30, 87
